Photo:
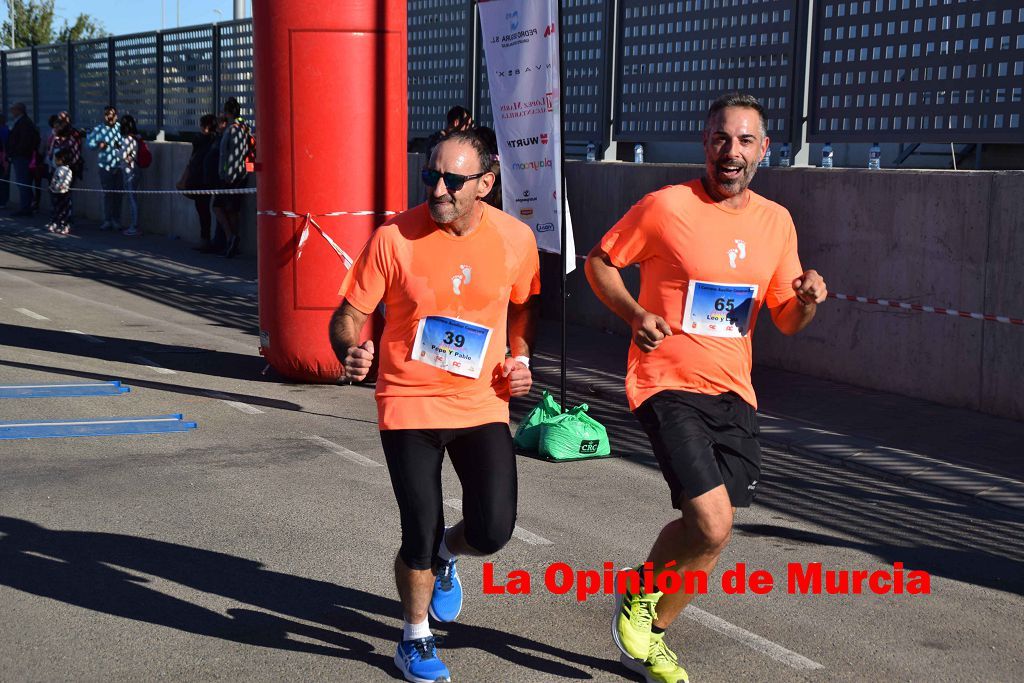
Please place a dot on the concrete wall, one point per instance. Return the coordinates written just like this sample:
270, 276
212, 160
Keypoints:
952, 239
164, 214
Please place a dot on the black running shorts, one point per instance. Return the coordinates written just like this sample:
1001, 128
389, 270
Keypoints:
702, 442
484, 460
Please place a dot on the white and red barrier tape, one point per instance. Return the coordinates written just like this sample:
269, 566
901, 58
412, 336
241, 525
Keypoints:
233, 190
310, 220
928, 309
921, 308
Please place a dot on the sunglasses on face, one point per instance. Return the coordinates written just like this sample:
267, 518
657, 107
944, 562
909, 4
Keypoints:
452, 181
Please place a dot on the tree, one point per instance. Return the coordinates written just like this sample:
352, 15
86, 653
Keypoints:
33, 25
84, 28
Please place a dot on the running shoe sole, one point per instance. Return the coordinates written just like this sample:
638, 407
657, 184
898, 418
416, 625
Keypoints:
615, 623
416, 679
637, 666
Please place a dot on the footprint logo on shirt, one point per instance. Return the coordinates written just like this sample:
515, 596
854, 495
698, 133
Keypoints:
740, 251
463, 278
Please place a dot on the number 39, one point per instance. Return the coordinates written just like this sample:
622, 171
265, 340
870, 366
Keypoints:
451, 338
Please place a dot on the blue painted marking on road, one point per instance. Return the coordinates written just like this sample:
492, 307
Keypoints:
96, 426
63, 390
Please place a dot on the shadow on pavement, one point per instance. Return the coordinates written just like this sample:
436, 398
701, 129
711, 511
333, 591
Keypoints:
194, 359
238, 311
105, 572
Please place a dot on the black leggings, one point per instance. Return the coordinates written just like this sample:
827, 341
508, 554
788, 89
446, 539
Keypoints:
485, 462
203, 209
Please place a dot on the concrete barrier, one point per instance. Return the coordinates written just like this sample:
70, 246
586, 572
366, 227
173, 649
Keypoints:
950, 239
944, 238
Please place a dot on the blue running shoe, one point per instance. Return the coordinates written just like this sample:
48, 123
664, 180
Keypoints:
419, 662
446, 600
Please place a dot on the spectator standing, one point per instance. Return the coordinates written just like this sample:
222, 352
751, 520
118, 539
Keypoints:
130, 145
107, 138
211, 178
235, 150
490, 139
458, 119
60, 192
22, 142
194, 178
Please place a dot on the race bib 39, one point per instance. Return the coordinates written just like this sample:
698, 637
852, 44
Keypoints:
457, 346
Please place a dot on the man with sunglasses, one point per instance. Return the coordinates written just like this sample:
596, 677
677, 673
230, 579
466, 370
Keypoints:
458, 279
711, 253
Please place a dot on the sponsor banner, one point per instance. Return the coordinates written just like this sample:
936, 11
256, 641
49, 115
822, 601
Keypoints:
521, 45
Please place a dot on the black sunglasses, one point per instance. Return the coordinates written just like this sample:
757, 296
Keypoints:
452, 181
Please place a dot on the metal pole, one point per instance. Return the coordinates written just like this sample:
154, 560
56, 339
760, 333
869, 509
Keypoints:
564, 206
216, 68
474, 61
239, 9
35, 84
72, 94
800, 97
111, 74
159, 82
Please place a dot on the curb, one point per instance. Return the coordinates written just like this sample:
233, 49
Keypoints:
891, 464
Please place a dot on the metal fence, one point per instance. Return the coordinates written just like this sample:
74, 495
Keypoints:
879, 70
165, 79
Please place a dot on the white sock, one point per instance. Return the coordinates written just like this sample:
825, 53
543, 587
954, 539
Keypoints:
443, 552
415, 631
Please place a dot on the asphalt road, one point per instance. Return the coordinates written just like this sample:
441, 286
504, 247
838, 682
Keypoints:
259, 546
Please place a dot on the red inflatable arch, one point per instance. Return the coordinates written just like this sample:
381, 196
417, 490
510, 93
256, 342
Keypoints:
331, 122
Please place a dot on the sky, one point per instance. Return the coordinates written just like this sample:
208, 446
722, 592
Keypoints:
120, 17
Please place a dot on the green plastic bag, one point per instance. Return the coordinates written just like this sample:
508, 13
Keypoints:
574, 436
528, 432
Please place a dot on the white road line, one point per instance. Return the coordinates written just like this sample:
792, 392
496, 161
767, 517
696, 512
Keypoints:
237, 405
153, 365
79, 423
343, 452
87, 337
52, 386
191, 330
31, 314
519, 532
751, 640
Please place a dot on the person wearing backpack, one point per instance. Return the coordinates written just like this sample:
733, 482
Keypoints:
237, 148
136, 157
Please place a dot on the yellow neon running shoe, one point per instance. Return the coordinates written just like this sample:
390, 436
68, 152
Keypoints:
661, 665
631, 622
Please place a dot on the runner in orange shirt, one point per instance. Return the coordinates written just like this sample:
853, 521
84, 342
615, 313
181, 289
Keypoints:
710, 252
451, 273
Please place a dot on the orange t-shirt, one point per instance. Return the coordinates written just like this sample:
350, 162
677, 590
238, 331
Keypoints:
683, 240
417, 270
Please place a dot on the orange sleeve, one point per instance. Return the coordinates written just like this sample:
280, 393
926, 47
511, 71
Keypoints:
629, 241
780, 289
527, 280
366, 282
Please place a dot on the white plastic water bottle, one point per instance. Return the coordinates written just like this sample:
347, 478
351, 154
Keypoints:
875, 157
638, 153
826, 155
591, 152
766, 160
784, 160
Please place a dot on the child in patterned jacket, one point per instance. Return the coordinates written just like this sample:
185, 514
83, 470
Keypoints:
60, 192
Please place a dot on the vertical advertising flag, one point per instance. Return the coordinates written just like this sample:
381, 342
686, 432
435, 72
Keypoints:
521, 45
